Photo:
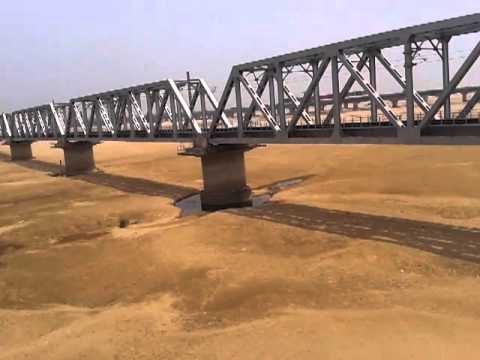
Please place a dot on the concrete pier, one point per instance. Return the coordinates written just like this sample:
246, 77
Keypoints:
224, 177
78, 157
21, 150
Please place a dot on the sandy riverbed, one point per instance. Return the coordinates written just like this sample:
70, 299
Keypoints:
375, 255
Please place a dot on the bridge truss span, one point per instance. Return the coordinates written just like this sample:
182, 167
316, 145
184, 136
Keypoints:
268, 108
45, 122
157, 111
152, 111
273, 114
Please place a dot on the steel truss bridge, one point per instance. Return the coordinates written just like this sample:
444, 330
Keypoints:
266, 110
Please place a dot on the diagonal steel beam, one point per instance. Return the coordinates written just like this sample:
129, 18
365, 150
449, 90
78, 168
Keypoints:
85, 117
14, 125
374, 95
26, 118
58, 119
346, 88
111, 104
3, 130
25, 125
35, 124
214, 103
194, 97
38, 127
174, 110
41, 122
184, 106
469, 105
104, 116
467, 64
296, 102
79, 118
137, 112
422, 104
6, 125
18, 127
27, 122
308, 94
121, 114
253, 105
31, 123
222, 103
263, 108
162, 108
133, 119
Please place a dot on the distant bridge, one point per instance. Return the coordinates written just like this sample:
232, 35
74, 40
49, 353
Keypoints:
187, 111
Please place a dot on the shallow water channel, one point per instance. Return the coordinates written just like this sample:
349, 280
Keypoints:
192, 205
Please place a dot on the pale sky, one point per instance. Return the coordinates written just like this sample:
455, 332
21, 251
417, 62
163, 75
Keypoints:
62, 49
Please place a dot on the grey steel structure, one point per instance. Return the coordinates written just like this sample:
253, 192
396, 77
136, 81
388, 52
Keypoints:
45, 122
156, 111
273, 73
160, 112
187, 111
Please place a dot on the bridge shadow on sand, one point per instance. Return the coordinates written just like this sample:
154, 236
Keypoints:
447, 240
455, 242
118, 182
137, 185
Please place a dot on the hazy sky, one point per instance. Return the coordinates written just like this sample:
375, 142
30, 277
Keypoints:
61, 49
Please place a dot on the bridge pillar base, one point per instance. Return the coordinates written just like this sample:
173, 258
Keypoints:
20, 151
78, 157
224, 178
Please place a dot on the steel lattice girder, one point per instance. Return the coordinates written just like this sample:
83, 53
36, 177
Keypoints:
371, 91
367, 49
458, 77
36, 123
5, 132
150, 111
141, 111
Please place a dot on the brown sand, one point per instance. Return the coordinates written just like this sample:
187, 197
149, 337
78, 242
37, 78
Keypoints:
376, 255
